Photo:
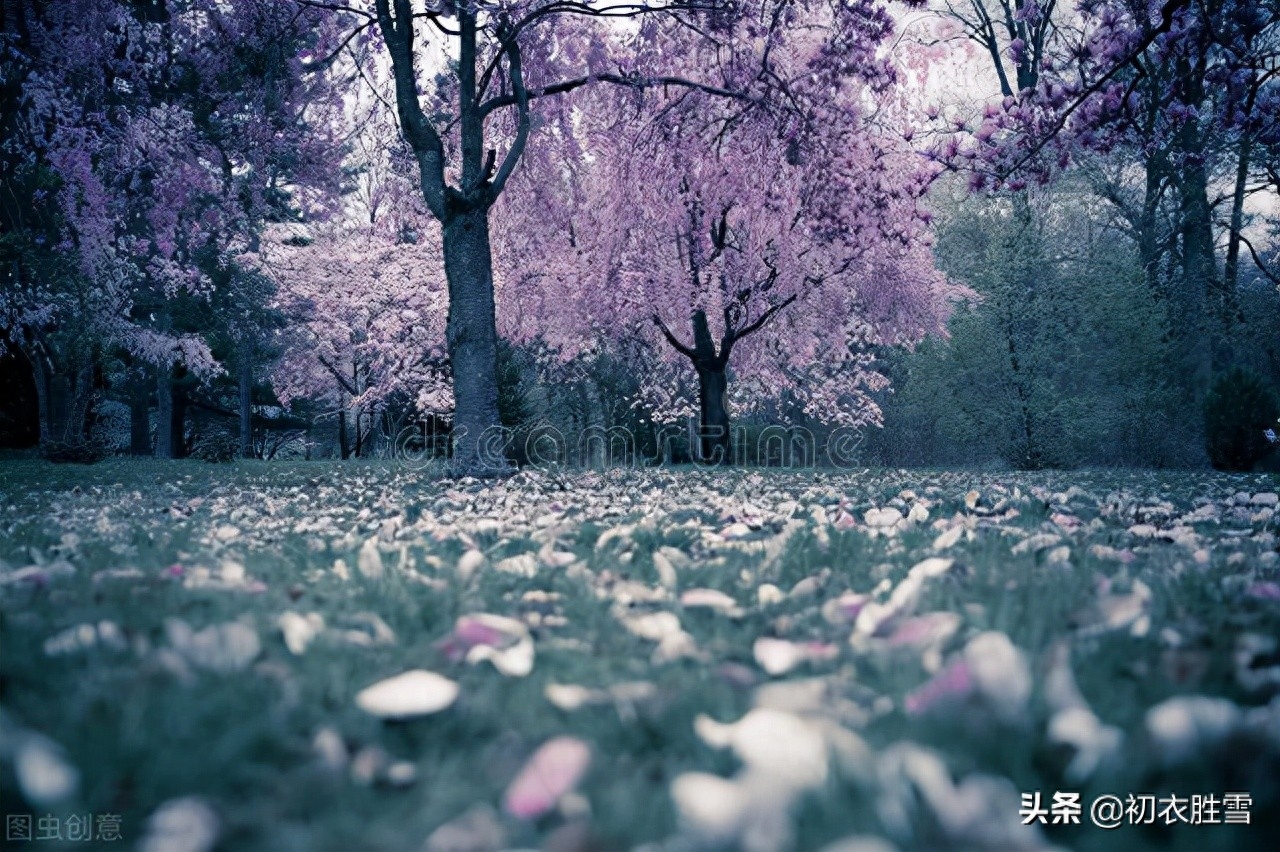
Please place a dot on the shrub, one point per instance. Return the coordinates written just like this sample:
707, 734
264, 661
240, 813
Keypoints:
83, 452
1238, 409
215, 443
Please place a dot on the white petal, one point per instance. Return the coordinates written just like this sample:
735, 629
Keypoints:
44, 776
369, 560
414, 693
515, 661
181, 825
712, 806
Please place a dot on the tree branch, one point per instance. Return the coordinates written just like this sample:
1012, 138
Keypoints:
335, 7
1257, 261
753, 327
397, 32
631, 81
569, 7
342, 380
321, 64
671, 338
522, 123
1167, 12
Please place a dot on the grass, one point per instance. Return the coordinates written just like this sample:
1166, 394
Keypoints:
140, 732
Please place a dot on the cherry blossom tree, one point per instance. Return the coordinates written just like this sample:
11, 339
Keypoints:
370, 309
470, 80
739, 243
167, 132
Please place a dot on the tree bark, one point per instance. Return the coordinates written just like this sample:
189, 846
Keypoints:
178, 422
1231, 271
1198, 297
1200, 294
171, 416
463, 212
471, 334
246, 406
139, 415
1149, 249
344, 448
64, 401
164, 415
713, 389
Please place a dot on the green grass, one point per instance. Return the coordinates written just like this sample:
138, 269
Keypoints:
140, 735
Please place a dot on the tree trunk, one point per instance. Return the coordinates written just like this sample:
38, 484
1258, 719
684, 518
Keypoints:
168, 415
1200, 294
1231, 272
472, 337
246, 407
64, 402
713, 390
1199, 297
178, 422
713, 387
164, 415
344, 448
1149, 228
139, 415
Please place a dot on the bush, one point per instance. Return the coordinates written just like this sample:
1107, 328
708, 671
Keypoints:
1238, 409
215, 443
83, 452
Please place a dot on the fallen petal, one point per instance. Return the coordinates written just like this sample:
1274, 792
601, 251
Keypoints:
181, 825
414, 693
553, 770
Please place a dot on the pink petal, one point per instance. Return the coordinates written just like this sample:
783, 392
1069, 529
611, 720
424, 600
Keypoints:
1266, 591
952, 682
924, 629
473, 631
553, 770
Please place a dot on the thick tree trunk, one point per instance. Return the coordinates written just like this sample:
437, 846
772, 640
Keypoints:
1199, 298
178, 422
139, 415
1231, 271
344, 447
168, 439
1149, 229
64, 398
713, 390
713, 387
246, 407
472, 338
1200, 295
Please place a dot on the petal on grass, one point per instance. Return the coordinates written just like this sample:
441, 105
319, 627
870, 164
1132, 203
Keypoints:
44, 775
553, 770
414, 693
181, 825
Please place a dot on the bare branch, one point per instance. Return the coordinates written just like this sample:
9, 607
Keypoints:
1257, 261
321, 64
335, 7
521, 95
397, 32
627, 80
752, 328
671, 338
569, 7
337, 374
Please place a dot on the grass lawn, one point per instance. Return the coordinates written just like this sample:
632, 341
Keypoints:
745, 659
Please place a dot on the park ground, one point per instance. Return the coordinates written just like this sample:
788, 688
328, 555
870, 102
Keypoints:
666, 659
